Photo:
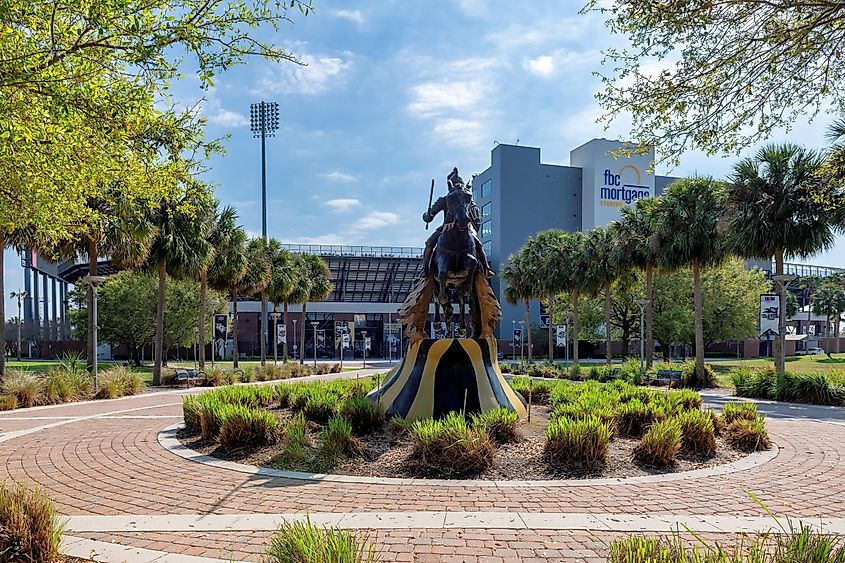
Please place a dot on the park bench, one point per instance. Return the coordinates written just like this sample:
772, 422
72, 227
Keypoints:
188, 376
614, 373
668, 376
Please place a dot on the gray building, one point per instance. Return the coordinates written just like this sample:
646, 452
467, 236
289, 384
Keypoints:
519, 196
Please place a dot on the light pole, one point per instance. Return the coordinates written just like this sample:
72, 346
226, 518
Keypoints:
264, 122
295, 347
521, 341
275, 336
783, 280
641, 303
19, 295
513, 340
364, 346
314, 325
94, 282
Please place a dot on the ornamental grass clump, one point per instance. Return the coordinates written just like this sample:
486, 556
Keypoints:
118, 381
295, 440
539, 390
577, 442
685, 399
364, 415
732, 412
304, 542
698, 435
691, 378
64, 385
215, 377
212, 414
8, 402
26, 387
191, 412
635, 417
248, 396
320, 406
242, 426
498, 423
282, 392
660, 444
30, 527
336, 438
747, 435
450, 446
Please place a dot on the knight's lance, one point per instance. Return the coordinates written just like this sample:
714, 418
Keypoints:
430, 196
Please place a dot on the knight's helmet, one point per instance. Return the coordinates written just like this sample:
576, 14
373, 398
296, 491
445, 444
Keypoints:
454, 181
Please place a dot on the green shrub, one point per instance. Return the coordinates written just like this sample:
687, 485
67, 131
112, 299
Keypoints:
563, 392
65, 385
295, 440
303, 542
630, 371
450, 446
635, 417
118, 381
686, 399
759, 384
577, 442
499, 423
230, 377
212, 413
215, 377
242, 426
364, 415
539, 390
26, 387
580, 411
336, 437
399, 425
30, 528
247, 375
320, 406
282, 391
660, 444
252, 396
814, 388
735, 411
698, 435
575, 372
191, 412
747, 435
8, 402
689, 377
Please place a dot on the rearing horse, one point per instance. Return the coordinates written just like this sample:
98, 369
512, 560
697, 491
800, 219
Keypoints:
455, 262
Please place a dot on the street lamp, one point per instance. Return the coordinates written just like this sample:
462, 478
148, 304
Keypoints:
295, 336
314, 324
276, 336
94, 282
641, 303
19, 295
783, 280
264, 122
521, 341
364, 346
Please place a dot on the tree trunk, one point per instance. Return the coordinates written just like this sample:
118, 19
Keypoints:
285, 314
699, 321
649, 316
528, 325
302, 333
608, 351
159, 341
551, 327
92, 271
3, 306
574, 326
779, 351
201, 327
263, 327
234, 328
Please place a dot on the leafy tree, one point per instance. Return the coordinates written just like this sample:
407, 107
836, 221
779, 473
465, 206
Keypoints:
688, 216
731, 299
674, 316
180, 248
15, 238
772, 211
319, 287
830, 303
520, 275
719, 76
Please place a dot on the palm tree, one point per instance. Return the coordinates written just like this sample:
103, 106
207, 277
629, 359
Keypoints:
546, 249
635, 231
600, 251
226, 273
772, 211
223, 225
687, 217
319, 287
269, 248
830, 303
577, 266
520, 275
180, 248
285, 280
256, 279
299, 292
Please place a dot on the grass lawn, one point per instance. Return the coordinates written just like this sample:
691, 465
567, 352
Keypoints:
797, 364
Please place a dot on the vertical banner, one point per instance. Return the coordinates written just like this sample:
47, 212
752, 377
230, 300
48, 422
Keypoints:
391, 334
560, 334
517, 337
321, 338
281, 333
367, 343
769, 314
345, 340
220, 326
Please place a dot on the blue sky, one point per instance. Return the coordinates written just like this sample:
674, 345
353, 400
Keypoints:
397, 92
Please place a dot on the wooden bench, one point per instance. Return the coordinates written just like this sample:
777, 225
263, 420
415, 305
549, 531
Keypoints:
188, 376
668, 376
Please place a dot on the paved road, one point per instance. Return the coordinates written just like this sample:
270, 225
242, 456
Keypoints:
103, 461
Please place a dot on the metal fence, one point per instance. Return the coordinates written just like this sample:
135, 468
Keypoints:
360, 251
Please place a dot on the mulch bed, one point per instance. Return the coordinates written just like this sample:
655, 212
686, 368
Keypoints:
384, 454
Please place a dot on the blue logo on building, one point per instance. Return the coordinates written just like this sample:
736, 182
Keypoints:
616, 192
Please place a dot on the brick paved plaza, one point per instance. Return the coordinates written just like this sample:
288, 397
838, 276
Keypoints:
108, 467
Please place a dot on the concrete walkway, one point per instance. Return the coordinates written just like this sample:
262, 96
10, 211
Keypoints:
105, 466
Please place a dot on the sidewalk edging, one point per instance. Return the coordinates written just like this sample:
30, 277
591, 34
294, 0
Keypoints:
73, 546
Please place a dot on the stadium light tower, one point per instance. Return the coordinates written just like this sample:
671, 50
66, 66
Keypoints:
264, 122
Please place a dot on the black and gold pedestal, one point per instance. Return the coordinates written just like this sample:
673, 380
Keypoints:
438, 376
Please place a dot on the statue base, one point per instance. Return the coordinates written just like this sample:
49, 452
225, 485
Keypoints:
450, 374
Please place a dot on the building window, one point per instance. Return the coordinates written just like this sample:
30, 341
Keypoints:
486, 188
487, 209
488, 248
486, 229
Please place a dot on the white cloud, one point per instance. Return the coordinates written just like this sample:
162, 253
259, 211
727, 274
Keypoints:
434, 97
227, 118
316, 76
352, 15
376, 220
460, 132
340, 177
542, 66
343, 204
